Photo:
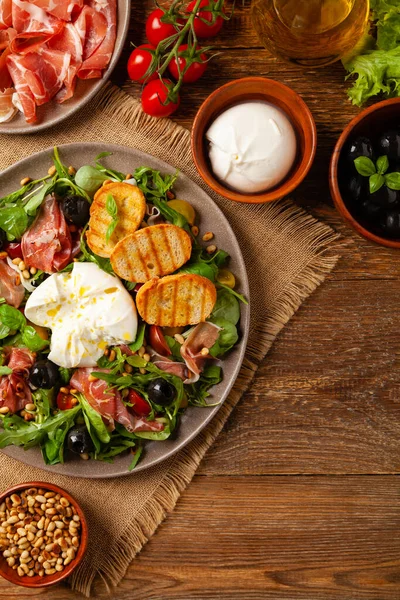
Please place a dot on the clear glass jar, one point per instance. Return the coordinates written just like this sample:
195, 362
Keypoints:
310, 32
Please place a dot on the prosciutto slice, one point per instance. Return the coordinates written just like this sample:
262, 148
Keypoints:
108, 403
68, 41
25, 96
15, 393
99, 47
26, 18
10, 288
47, 244
5, 14
7, 108
203, 335
62, 9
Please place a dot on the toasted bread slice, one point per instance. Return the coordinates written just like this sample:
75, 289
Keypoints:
131, 205
176, 300
151, 252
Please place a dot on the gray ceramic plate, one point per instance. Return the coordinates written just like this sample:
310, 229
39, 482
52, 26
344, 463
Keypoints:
211, 219
52, 113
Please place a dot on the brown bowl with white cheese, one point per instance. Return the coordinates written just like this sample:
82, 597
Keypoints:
43, 534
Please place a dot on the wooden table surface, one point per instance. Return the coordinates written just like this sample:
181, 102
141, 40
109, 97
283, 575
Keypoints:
299, 496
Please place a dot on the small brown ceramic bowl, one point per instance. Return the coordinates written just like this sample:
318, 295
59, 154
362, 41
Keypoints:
47, 580
371, 122
267, 90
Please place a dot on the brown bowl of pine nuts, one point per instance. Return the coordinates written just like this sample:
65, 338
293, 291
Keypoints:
43, 534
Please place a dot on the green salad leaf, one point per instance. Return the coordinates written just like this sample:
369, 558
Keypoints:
5, 371
12, 320
94, 423
112, 209
228, 336
138, 343
14, 221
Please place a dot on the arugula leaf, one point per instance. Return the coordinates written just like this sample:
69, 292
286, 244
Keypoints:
136, 457
198, 393
62, 170
43, 400
138, 343
111, 173
14, 221
94, 423
5, 371
31, 207
21, 193
112, 209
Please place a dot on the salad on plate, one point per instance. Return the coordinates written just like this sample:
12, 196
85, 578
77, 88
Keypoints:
115, 313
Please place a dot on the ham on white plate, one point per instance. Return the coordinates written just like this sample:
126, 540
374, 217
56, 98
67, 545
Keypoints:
46, 45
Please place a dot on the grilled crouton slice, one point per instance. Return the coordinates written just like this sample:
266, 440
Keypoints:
176, 300
131, 208
151, 252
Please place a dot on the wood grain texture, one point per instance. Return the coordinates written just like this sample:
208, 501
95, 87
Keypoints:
299, 496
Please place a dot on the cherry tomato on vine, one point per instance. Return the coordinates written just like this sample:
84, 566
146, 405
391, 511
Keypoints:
195, 70
139, 405
156, 30
157, 341
139, 63
205, 30
155, 95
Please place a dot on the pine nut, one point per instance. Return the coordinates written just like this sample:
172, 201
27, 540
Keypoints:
59, 568
107, 182
52, 171
208, 236
4, 410
92, 378
112, 356
205, 352
146, 357
142, 371
22, 265
16, 261
26, 274
30, 407
33, 270
142, 351
179, 338
85, 456
211, 249
24, 181
128, 176
195, 230
71, 170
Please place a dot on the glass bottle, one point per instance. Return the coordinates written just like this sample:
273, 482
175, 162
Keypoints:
310, 32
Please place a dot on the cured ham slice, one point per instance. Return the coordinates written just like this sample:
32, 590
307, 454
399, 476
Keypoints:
47, 244
68, 41
203, 335
14, 390
97, 60
10, 288
62, 9
7, 108
5, 14
109, 403
26, 18
25, 96
91, 27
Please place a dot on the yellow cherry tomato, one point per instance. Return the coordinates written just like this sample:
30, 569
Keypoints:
185, 209
226, 278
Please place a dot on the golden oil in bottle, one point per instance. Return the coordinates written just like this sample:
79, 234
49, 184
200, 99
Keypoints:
310, 32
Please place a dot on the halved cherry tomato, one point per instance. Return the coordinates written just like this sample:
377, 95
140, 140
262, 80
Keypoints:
156, 30
66, 401
139, 63
14, 250
195, 70
139, 405
202, 29
154, 99
157, 341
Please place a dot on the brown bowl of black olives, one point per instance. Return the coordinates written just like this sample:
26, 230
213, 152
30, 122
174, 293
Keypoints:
365, 173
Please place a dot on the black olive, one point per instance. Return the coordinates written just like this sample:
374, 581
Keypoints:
79, 440
3, 239
357, 188
385, 197
161, 392
44, 374
361, 146
370, 211
390, 223
76, 210
389, 144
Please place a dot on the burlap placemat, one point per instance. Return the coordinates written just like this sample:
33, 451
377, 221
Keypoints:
285, 251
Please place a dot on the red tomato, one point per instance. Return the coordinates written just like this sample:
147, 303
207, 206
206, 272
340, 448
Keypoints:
194, 72
153, 97
157, 341
66, 401
139, 62
156, 30
14, 250
204, 30
139, 405
137, 287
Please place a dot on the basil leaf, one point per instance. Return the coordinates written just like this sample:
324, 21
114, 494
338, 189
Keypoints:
11, 317
364, 166
32, 340
382, 164
5, 371
376, 182
392, 180
14, 221
112, 209
4, 331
